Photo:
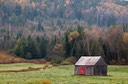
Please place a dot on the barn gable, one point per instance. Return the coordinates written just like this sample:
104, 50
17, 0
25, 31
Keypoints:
101, 62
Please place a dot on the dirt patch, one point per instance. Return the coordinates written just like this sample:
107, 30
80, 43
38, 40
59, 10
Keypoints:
22, 70
46, 67
37, 61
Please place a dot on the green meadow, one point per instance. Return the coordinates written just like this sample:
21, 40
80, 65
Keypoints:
59, 75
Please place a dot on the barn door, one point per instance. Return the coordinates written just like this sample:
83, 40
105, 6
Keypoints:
82, 70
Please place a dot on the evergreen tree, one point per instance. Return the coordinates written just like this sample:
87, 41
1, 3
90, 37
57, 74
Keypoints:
26, 48
14, 19
67, 45
43, 47
20, 47
18, 10
32, 49
80, 30
40, 27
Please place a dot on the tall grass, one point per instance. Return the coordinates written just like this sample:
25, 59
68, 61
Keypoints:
62, 75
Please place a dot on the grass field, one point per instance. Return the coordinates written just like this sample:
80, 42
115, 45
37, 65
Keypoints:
60, 75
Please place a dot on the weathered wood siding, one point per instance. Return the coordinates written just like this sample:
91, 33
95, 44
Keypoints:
92, 70
100, 70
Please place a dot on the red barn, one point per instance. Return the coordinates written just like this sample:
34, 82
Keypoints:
90, 65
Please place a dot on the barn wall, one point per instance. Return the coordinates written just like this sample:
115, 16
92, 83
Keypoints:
105, 70
100, 70
76, 72
90, 70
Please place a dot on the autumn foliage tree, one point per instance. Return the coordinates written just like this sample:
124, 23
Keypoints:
58, 53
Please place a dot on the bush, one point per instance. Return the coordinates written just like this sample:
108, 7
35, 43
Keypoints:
69, 61
57, 59
46, 82
66, 63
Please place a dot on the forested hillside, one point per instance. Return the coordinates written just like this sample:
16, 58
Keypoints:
65, 29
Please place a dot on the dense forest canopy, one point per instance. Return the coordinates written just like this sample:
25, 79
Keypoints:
58, 13
59, 29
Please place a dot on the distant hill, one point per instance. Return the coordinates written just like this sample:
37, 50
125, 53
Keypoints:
58, 13
25, 17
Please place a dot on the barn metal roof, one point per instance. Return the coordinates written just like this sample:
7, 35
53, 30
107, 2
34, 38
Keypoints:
90, 60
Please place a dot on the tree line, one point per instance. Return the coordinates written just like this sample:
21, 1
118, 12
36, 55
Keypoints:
110, 43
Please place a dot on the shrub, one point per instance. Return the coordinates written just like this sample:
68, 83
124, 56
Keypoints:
46, 82
66, 63
69, 61
57, 59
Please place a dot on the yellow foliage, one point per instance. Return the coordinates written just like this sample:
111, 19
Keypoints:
97, 8
33, 4
58, 48
86, 30
125, 37
43, 5
21, 1
70, 39
73, 35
